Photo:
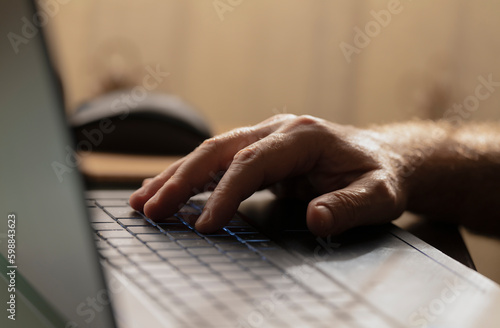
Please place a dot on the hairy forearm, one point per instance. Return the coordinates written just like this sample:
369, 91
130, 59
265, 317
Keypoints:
450, 172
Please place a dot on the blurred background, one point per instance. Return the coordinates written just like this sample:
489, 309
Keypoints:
239, 62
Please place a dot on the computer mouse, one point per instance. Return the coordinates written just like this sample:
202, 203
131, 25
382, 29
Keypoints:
148, 123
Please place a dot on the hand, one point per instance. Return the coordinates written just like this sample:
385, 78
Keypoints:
350, 175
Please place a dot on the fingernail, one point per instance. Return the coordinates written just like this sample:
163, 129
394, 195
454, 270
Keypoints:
203, 219
152, 200
325, 218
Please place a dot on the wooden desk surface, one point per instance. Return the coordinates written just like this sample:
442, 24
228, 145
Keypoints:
120, 169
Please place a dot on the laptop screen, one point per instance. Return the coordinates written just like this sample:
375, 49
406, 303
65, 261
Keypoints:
54, 262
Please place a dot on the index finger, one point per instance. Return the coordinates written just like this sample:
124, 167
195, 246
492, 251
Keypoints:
199, 169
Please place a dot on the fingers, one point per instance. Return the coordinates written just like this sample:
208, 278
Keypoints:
264, 162
150, 186
231, 141
197, 172
369, 200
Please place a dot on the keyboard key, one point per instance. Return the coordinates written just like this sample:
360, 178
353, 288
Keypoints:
180, 227
143, 249
222, 239
220, 258
153, 237
178, 235
194, 243
233, 247
262, 245
112, 202
220, 267
176, 285
266, 270
237, 223
220, 232
120, 262
251, 285
140, 258
236, 302
160, 245
253, 237
202, 251
98, 215
172, 253
301, 296
206, 278
237, 275
252, 263
123, 212
144, 230
171, 220
156, 266
184, 261
280, 282
241, 229
244, 255
196, 269
133, 222
114, 234
217, 287
106, 226
121, 242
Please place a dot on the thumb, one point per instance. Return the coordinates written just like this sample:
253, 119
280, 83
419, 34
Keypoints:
371, 199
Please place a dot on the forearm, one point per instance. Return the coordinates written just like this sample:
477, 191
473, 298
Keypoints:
450, 172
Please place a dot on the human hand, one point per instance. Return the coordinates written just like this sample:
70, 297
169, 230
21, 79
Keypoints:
350, 175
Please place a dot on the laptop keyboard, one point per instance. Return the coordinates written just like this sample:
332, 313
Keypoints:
235, 277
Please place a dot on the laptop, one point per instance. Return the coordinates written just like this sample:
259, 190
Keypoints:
71, 258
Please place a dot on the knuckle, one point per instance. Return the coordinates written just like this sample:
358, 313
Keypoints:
215, 143
246, 156
210, 144
237, 133
349, 203
307, 120
283, 117
383, 186
306, 124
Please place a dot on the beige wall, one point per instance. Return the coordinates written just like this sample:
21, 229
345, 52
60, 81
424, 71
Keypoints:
271, 56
